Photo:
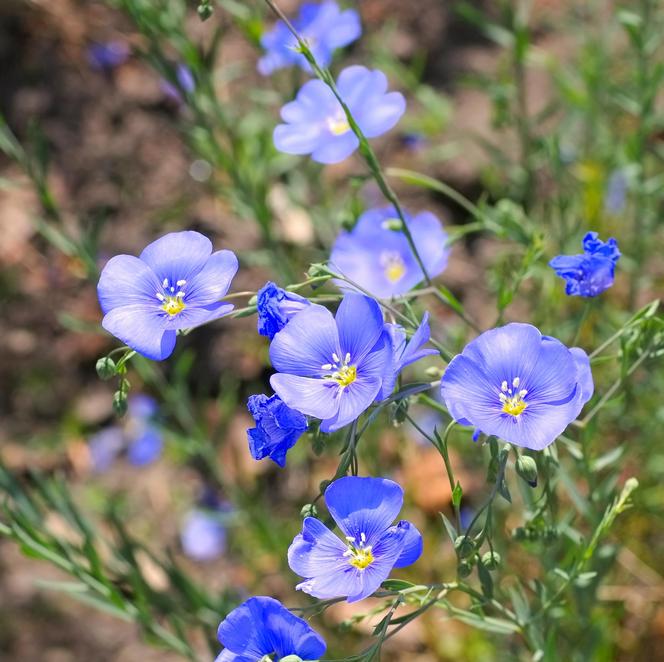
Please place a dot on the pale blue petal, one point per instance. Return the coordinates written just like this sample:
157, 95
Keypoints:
431, 241
126, 280
316, 551
584, 374
335, 149
313, 397
140, 328
364, 505
360, 323
411, 549
379, 115
345, 29
315, 101
297, 138
306, 343
356, 84
353, 400
211, 283
177, 255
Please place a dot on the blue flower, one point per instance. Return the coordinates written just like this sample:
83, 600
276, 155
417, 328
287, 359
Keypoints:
263, 626
364, 510
517, 384
323, 26
615, 196
107, 56
404, 351
139, 437
203, 535
176, 283
275, 307
591, 273
331, 368
316, 123
278, 427
379, 258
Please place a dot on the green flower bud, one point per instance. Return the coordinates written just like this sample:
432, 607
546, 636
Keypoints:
106, 368
527, 469
464, 547
120, 402
491, 560
324, 484
393, 224
464, 569
309, 510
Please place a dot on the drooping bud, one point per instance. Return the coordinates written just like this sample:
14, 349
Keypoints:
106, 368
527, 469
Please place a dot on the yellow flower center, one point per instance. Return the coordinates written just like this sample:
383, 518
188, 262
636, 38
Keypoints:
342, 372
393, 265
172, 297
338, 125
359, 554
512, 399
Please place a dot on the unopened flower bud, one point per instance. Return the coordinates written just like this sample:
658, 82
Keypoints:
309, 510
464, 569
527, 469
491, 560
106, 368
464, 546
120, 403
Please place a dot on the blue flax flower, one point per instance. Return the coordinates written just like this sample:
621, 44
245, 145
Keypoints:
139, 437
278, 427
364, 510
592, 272
323, 26
203, 535
275, 307
176, 283
186, 83
404, 351
262, 626
379, 258
517, 384
332, 368
108, 55
315, 123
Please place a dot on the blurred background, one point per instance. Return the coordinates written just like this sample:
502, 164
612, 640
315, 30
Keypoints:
126, 119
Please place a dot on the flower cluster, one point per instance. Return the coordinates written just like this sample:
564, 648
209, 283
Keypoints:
592, 272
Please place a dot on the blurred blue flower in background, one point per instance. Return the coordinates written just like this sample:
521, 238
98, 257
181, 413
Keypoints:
517, 384
138, 436
404, 351
185, 81
278, 427
275, 306
316, 124
203, 534
615, 197
376, 255
262, 627
176, 283
332, 368
323, 26
364, 510
105, 56
592, 272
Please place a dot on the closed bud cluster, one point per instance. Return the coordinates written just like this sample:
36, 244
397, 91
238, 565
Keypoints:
464, 547
527, 469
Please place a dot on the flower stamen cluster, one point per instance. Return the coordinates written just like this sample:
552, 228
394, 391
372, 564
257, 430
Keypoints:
359, 555
344, 374
512, 400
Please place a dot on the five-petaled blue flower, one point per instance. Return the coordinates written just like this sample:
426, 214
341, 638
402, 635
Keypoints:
316, 124
176, 283
592, 272
323, 26
262, 627
404, 351
364, 510
278, 427
203, 534
517, 384
139, 437
376, 255
332, 368
275, 306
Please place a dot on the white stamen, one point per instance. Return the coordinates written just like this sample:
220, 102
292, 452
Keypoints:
363, 538
335, 358
523, 392
326, 366
160, 296
165, 283
515, 382
350, 538
348, 552
503, 386
181, 282
180, 294
347, 358
502, 397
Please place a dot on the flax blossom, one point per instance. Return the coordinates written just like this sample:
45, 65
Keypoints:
261, 628
592, 272
275, 306
377, 256
316, 124
364, 510
517, 384
332, 368
176, 283
323, 26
